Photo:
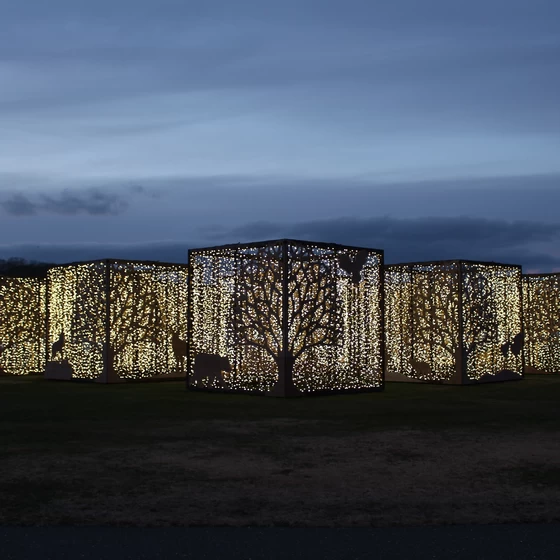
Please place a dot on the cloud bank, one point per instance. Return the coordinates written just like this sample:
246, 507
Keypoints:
534, 245
70, 202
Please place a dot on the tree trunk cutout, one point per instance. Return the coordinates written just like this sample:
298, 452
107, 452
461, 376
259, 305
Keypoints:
312, 319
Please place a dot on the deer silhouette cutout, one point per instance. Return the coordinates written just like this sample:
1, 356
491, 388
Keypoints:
212, 367
515, 346
517, 343
421, 368
57, 346
354, 267
179, 349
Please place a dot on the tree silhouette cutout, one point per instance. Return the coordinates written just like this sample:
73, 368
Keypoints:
479, 314
312, 318
120, 319
458, 313
435, 317
87, 326
542, 322
135, 314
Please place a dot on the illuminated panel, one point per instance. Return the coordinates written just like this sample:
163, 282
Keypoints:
77, 319
492, 322
335, 317
114, 321
441, 329
235, 317
148, 320
422, 322
398, 321
285, 318
541, 320
22, 325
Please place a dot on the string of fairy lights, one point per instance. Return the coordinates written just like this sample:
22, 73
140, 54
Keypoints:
113, 320
22, 325
333, 326
76, 326
492, 319
422, 322
282, 317
541, 315
453, 322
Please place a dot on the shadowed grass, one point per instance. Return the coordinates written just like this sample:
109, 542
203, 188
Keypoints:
156, 454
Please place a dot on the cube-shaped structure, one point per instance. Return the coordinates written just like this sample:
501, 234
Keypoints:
541, 321
456, 322
115, 320
286, 318
23, 326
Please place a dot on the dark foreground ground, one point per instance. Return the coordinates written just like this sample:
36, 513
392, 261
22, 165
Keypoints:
480, 542
148, 455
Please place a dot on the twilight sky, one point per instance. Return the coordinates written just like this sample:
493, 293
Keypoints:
139, 128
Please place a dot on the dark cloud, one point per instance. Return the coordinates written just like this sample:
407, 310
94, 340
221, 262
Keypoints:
73, 252
18, 205
519, 242
241, 199
93, 201
531, 244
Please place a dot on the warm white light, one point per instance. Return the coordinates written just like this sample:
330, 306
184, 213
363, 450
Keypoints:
22, 325
334, 326
541, 318
140, 309
427, 309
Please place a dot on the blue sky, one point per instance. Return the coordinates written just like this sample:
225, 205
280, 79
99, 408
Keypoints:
139, 128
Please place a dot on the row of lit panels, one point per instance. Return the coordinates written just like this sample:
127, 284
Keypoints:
148, 330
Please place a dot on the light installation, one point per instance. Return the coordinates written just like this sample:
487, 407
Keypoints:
285, 318
22, 325
115, 320
456, 322
541, 320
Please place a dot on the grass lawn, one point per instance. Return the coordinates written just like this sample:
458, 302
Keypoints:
155, 454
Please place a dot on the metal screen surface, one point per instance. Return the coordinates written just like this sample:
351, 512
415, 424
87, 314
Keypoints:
285, 317
77, 320
492, 321
422, 335
541, 321
335, 317
148, 320
453, 322
117, 320
236, 317
22, 325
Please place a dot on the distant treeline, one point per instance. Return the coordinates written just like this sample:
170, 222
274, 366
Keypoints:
16, 266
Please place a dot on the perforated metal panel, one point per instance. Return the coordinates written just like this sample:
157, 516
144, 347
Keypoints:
117, 320
453, 322
22, 325
541, 318
285, 318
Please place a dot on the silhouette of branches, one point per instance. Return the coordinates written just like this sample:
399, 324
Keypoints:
479, 315
135, 314
311, 300
88, 319
257, 316
435, 310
